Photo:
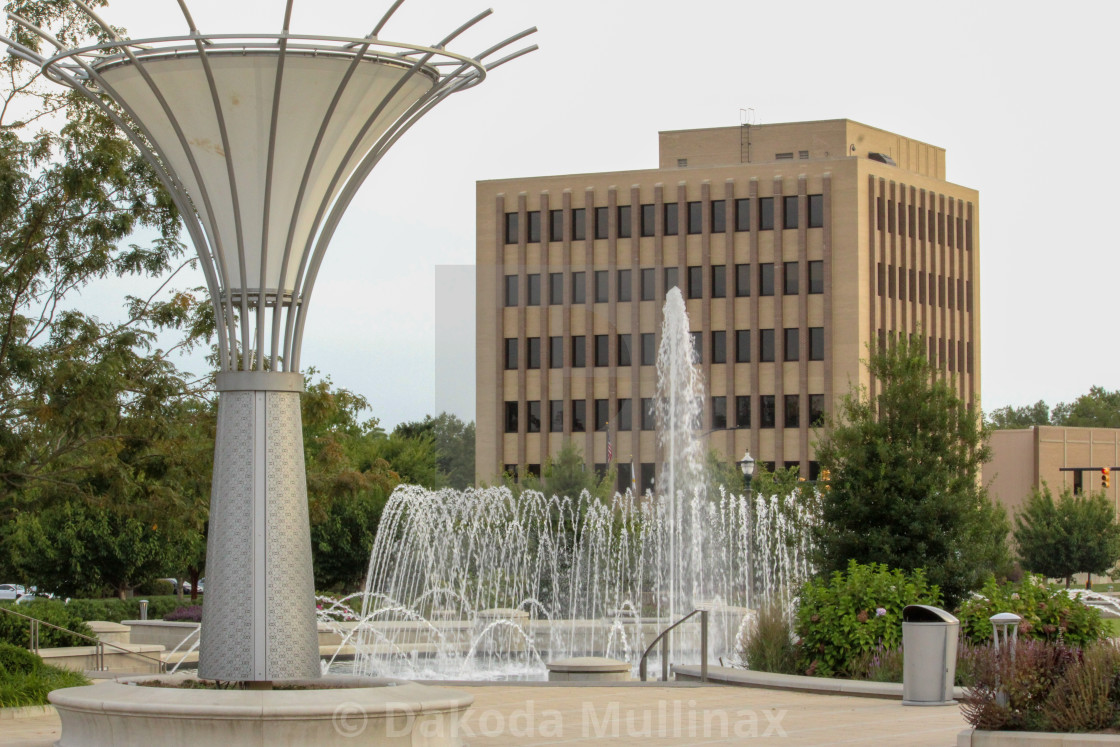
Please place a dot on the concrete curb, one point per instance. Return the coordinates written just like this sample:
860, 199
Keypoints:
978, 738
796, 682
26, 712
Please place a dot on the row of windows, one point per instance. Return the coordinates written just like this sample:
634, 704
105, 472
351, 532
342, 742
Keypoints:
622, 417
648, 352
577, 219
913, 284
938, 226
624, 279
647, 472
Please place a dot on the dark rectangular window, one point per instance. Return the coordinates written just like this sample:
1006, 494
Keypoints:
534, 227
814, 470
511, 290
649, 352
533, 352
670, 278
602, 414
624, 358
719, 346
579, 351
719, 412
556, 415
793, 411
766, 213
511, 417
511, 228
742, 280
697, 346
556, 352
600, 470
743, 214
579, 224
695, 217
816, 276
792, 348
719, 216
742, 346
555, 225
533, 297
789, 278
602, 286
511, 353
671, 218
766, 279
579, 415
696, 282
579, 287
890, 216
766, 411
533, 469
511, 470
649, 469
534, 424
648, 223
623, 286
648, 284
816, 343
647, 414
624, 226
556, 288
602, 349
719, 281
766, 342
816, 211
624, 477
623, 420
602, 217
743, 411
789, 211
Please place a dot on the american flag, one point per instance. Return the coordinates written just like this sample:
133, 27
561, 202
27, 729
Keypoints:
610, 451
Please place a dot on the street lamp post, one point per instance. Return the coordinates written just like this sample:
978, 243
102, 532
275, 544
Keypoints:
747, 465
262, 141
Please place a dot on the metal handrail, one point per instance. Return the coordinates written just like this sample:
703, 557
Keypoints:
663, 637
99, 656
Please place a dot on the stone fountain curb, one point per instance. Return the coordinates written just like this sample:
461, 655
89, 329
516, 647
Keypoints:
796, 682
979, 738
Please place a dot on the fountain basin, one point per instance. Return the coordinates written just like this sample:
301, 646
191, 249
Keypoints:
338, 711
589, 669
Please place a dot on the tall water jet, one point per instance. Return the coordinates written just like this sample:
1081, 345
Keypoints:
683, 485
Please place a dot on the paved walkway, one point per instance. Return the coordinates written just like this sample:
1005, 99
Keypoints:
658, 717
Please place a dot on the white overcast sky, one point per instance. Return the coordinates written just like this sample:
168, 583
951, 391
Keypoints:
1020, 94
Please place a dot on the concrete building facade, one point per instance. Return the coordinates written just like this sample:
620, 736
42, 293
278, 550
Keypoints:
796, 246
1025, 458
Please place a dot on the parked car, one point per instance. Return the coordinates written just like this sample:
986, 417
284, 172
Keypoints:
11, 591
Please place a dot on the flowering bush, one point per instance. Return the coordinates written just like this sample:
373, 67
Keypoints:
185, 614
846, 619
1048, 614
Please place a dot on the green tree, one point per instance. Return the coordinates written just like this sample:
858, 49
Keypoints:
566, 474
1020, 417
1099, 408
1075, 534
905, 488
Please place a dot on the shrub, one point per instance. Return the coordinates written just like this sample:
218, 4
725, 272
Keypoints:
25, 680
1047, 686
116, 610
853, 613
769, 647
185, 614
1048, 614
157, 587
17, 630
881, 664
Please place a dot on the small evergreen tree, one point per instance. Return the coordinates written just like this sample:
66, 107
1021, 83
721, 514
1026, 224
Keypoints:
905, 488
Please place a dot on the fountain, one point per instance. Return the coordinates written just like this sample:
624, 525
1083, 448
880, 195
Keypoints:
482, 584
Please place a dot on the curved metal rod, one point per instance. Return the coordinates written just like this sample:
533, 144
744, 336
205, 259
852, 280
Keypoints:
385, 19
235, 200
229, 349
662, 634
347, 194
451, 37
151, 152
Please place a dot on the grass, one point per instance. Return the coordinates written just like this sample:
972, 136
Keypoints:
25, 680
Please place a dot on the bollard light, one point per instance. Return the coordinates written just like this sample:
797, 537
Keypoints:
1005, 626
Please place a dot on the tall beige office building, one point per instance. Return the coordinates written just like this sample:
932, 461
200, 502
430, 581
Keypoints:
796, 245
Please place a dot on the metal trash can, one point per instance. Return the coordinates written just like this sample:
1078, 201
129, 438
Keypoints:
929, 650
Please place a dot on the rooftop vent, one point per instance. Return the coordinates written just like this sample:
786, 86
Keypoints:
882, 158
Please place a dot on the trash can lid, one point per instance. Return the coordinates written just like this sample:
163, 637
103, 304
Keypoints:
924, 613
